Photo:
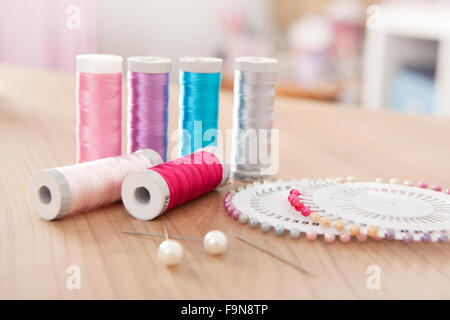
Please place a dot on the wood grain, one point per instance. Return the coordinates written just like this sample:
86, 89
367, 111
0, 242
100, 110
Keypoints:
37, 130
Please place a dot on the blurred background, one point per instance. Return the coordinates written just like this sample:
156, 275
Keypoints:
364, 53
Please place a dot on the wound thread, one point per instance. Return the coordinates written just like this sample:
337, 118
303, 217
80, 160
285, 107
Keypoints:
62, 191
99, 107
190, 177
148, 99
254, 93
151, 192
200, 79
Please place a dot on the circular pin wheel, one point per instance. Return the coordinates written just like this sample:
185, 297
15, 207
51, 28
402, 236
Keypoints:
334, 208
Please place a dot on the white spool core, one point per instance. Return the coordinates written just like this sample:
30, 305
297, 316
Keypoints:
145, 194
49, 194
99, 63
256, 64
142, 195
201, 64
45, 195
149, 64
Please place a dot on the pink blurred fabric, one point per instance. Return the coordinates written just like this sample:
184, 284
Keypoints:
35, 33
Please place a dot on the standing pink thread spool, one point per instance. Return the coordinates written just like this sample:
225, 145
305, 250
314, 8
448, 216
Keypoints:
99, 106
149, 193
62, 191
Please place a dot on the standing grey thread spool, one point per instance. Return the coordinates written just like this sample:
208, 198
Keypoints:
254, 92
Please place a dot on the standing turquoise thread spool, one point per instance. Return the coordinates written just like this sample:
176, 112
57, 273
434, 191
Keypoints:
199, 102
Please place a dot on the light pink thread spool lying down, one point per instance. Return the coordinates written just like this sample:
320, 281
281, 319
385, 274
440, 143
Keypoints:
62, 191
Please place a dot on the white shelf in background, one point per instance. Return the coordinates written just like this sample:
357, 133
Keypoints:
412, 33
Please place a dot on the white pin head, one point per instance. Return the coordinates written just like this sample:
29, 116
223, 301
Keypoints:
170, 252
215, 242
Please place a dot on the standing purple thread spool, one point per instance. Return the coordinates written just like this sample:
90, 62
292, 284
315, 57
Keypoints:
148, 98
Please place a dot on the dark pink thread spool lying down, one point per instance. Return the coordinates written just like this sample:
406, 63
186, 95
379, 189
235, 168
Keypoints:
151, 192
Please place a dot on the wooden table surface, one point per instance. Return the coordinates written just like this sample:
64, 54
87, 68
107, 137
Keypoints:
37, 130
